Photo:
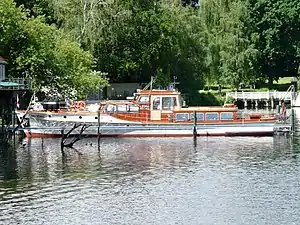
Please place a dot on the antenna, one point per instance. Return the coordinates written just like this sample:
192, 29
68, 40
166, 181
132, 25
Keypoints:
174, 81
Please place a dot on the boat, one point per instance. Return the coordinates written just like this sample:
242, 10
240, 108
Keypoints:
150, 113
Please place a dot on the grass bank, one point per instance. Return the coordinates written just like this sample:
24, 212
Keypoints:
281, 85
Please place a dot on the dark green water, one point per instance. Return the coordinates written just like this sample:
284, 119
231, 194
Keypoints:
152, 181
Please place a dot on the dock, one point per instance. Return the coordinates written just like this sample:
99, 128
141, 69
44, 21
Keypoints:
10, 90
266, 99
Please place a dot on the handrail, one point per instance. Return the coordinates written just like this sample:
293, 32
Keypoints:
290, 90
259, 95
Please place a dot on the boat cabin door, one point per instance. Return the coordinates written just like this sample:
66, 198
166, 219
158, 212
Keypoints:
155, 107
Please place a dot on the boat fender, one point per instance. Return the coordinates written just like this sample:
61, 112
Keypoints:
283, 111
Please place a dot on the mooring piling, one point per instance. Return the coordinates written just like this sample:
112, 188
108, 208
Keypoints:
195, 124
98, 117
292, 120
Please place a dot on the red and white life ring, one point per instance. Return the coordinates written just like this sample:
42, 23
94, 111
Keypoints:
80, 105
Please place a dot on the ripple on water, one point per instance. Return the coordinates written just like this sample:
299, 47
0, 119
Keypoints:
153, 181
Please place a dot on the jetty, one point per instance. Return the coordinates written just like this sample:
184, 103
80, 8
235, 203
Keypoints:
10, 89
267, 99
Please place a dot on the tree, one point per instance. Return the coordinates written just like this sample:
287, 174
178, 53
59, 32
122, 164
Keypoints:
37, 8
44, 53
278, 26
134, 40
232, 56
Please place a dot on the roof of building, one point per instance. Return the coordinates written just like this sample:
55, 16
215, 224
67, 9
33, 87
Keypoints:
9, 84
2, 60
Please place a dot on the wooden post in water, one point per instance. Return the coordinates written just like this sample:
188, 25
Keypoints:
195, 125
98, 116
62, 132
99, 130
292, 121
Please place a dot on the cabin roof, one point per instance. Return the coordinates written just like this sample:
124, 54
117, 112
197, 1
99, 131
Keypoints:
117, 102
158, 92
207, 109
9, 84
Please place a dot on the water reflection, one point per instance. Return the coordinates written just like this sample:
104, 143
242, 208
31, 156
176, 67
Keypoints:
42, 161
149, 181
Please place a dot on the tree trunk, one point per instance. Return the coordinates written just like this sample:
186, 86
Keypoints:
270, 83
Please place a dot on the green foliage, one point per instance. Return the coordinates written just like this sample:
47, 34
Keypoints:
207, 99
38, 8
277, 24
134, 40
44, 53
232, 55
223, 42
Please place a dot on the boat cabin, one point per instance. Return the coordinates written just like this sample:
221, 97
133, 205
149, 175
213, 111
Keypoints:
165, 106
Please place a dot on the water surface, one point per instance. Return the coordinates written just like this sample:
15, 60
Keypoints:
214, 180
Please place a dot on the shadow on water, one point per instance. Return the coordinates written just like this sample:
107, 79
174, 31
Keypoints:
8, 162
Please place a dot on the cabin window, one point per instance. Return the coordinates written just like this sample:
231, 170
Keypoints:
126, 108
199, 116
156, 103
110, 109
226, 116
121, 108
144, 99
133, 108
182, 117
212, 116
168, 103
